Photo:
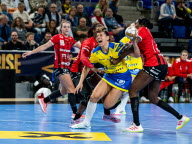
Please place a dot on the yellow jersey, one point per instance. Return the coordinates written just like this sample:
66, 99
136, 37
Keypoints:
134, 64
125, 40
114, 50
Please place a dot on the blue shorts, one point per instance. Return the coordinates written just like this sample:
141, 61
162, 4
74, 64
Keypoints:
134, 72
121, 81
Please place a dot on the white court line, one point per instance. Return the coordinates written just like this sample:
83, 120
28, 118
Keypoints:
166, 130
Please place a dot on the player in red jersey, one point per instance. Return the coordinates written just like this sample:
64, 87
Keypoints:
62, 45
183, 72
169, 81
154, 71
83, 60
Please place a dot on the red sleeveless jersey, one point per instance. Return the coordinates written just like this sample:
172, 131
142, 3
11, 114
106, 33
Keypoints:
62, 46
148, 48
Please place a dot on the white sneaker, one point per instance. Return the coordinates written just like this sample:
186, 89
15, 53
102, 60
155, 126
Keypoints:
134, 128
143, 99
181, 99
119, 113
81, 125
171, 100
182, 122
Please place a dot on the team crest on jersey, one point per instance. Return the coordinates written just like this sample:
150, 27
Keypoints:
62, 43
121, 82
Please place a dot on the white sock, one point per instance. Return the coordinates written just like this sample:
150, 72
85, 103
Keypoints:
121, 107
91, 107
124, 100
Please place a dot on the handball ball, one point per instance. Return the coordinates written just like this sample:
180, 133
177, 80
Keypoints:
131, 32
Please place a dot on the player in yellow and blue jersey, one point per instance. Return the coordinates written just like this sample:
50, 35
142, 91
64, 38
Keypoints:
116, 80
134, 65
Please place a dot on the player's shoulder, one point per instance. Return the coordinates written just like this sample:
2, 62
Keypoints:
98, 48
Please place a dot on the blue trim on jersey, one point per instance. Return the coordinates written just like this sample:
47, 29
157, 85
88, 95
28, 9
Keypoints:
134, 71
121, 81
96, 49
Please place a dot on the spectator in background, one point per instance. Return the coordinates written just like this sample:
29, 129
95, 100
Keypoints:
34, 4
111, 37
57, 3
184, 13
167, 18
80, 13
72, 18
38, 19
19, 27
4, 10
183, 72
47, 37
52, 28
66, 6
113, 5
9, 3
30, 43
11, 6
24, 15
26, 4
112, 24
81, 29
14, 43
97, 17
103, 5
169, 81
52, 14
5, 30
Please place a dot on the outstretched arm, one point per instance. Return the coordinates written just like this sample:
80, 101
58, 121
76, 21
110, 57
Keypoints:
40, 48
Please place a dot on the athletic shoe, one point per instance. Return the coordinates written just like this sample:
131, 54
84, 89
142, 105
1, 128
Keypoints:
182, 99
134, 128
119, 113
73, 115
81, 125
110, 118
143, 99
75, 122
42, 103
182, 122
171, 100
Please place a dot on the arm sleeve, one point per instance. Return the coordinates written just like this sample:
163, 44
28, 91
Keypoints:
176, 70
85, 54
171, 71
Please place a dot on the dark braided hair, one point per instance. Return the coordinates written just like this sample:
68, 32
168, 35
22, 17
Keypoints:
145, 22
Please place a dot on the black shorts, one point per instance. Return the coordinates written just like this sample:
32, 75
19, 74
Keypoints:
61, 71
158, 72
